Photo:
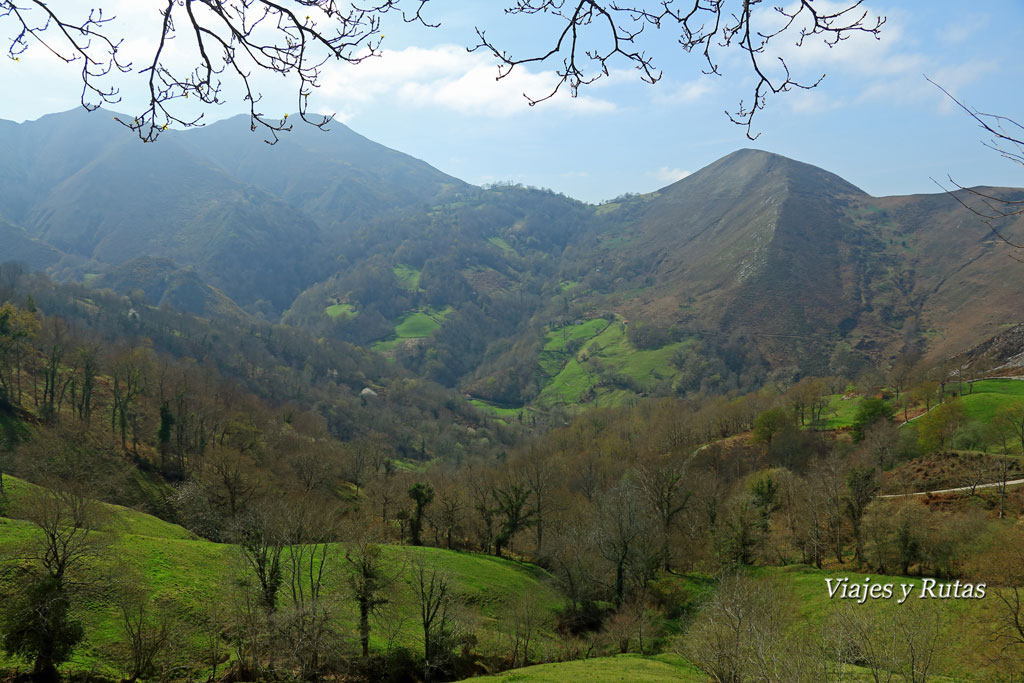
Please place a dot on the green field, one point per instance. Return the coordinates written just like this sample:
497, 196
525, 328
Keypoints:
606, 670
185, 576
336, 311
572, 380
986, 396
408, 278
841, 411
506, 414
421, 324
501, 244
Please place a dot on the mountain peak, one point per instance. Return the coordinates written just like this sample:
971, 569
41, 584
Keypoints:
737, 171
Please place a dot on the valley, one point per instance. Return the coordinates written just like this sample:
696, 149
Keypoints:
320, 411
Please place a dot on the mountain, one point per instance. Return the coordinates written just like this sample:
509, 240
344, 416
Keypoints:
335, 176
756, 267
165, 284
804, 263
254, 227
19, 246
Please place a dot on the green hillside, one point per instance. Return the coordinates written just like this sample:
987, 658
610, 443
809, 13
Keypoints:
607, 669
592, 361
419, 324
986, 396
189, 577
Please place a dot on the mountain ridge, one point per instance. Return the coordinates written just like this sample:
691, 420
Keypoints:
804, 270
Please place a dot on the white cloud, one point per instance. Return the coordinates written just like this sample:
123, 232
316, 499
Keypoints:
685, 93
449, 77
668, 175
963, 28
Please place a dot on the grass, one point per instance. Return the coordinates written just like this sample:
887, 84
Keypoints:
186, 576
840, 411
499, 411
422, 323
335, 311
408, 278
606, 670
988, 395
571, 380
501, 244
965, 644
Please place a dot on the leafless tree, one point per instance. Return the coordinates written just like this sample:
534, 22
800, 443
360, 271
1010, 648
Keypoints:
147, 633
202, 44
895, 641
595, 35
58, 570
666, 490
742, 632
432, 587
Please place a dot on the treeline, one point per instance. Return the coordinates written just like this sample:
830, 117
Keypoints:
191, 399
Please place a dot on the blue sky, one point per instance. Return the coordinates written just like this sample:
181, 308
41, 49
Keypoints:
874, 120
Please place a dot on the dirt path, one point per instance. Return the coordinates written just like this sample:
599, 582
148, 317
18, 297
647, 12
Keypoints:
1011, 482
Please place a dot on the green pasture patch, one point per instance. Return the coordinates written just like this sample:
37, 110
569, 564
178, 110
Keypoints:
607, 669
336, 311
1007, 387
408, 277
416, 325
556, 340
501, 244
983, 406
419, 324
573, 380
841, 411
498, 411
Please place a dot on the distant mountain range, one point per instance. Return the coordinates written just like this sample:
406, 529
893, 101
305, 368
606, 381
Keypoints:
329, 230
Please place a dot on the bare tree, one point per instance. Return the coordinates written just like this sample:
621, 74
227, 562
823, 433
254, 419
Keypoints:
203, 42
147, 634
742, 632
36, 620
596, 35
665, 488
432, 587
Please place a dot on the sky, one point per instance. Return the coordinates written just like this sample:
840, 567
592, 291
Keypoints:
874, 120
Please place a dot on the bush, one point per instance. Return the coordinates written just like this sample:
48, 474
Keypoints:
587, 617
37, 626
870, 411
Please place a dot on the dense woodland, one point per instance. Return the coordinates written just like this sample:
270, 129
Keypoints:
660, 524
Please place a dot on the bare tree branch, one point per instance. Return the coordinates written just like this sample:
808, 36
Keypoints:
236, 38
597, 34
1008, 141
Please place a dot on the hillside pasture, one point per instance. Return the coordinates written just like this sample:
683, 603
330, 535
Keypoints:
607, 669
336, 311
407, 276
422, 323
193, 580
